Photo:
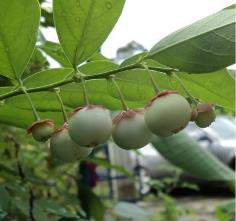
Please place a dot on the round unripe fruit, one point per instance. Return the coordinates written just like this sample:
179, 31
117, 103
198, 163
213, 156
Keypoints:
64, 148
41, 130
90, 125
167, 113
206, 115
130, 131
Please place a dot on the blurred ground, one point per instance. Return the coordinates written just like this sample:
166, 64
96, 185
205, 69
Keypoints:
201, 208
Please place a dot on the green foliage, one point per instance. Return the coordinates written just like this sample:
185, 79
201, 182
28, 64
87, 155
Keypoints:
27, 171
130, 211
205, 46
18, 34
186, 153
49, 76
95, 20
226, 211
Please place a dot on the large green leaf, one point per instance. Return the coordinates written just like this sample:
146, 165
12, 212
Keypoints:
205, 46
215, 87
11, 115
48, 77
96, 67
82, 26
130, 211
18, 34
184, 152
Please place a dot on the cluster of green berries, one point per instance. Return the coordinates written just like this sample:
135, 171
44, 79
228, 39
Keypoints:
166, 114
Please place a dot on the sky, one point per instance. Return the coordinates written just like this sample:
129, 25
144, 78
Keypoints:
148, 21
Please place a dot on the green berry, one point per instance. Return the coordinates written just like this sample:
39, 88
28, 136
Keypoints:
42, 130
206, 115
167, 113
64, 148
130, 131
90, 125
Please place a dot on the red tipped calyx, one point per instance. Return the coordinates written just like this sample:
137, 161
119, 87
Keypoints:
160, 94
48, 122
127, 114
61, 128
90, 106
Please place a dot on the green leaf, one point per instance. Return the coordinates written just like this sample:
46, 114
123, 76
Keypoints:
55, 51
5, 198
54, 208
97, 56
39, 213
4, 90
216, 87
226, 211
13, 116
82, 26
184, 152
48, 77
205, 46
233, 6
22, 205
90, 203
18, 34
134, 59
130, 211
96, 67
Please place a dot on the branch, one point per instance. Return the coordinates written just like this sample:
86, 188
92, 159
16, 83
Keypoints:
103, 75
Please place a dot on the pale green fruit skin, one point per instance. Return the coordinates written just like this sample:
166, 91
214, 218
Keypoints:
90, 126
131, 133
65, 149
42, 132
168, 114
204, 119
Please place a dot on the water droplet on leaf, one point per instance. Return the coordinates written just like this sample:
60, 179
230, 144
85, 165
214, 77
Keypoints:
108, 5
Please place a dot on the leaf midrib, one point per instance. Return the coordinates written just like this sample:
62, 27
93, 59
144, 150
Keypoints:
84, 32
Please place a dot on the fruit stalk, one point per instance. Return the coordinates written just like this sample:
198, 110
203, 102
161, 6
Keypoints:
57, 91
86, 100
124, 106
154, 84
185, 89
35, 113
